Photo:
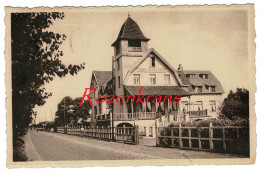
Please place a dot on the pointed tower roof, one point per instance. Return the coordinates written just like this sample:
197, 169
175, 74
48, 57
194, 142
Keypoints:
130, 30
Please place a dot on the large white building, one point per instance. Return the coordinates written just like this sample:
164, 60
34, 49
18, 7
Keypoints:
135, 66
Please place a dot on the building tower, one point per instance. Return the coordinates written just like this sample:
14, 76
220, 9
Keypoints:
129, 47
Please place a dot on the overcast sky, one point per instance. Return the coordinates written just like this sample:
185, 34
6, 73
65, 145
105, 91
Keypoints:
199, 40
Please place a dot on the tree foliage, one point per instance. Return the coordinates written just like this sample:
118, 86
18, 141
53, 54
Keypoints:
236, 105
36, 60
74, 114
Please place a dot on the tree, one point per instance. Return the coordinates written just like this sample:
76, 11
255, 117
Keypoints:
73, 112
36, 60
236, 104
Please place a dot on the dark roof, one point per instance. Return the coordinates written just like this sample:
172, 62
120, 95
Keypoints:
157, 90
130, 30
102, 77
198, 81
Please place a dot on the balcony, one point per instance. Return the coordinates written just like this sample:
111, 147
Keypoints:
135, 49
135, 116
173, 115
197, 114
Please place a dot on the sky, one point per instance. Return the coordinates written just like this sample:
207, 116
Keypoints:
215, 40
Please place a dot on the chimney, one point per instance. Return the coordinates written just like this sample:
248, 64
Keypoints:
180, 68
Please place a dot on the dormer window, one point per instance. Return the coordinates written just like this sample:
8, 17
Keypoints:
204, 76
190, 76
197, 89
212, 89
152, 61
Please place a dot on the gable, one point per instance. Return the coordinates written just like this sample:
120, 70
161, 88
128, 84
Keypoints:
102, 77
159, 58
145, 68
93, 81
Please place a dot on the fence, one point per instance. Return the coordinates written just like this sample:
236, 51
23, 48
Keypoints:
120, 134
233, 139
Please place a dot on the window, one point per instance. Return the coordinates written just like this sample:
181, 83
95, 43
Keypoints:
114, 83
212, 104
121, 106
212, 89
118, 64
198, 105
96, 93
198, 89
153, 79
134, 43
190, 76
137, 79
95, 112
109, 86
167, 79
100, 108
184, 105
118, 81
204, 76
152, 61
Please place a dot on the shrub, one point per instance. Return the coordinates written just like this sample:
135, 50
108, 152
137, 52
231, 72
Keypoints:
241, 147
222, 121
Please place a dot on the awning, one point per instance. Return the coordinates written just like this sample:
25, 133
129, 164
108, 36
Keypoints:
157, 90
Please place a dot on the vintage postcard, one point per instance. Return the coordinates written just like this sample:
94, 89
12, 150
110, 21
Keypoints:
138, 86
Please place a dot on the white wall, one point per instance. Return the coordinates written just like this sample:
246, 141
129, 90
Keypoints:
161, 70
205, 98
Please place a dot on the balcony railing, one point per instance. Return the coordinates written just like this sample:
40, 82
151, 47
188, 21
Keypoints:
152, 115
135, 116
196, 114
135, 49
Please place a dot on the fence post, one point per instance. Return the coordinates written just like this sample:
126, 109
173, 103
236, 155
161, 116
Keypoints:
102, 131
190, 145
110, 133
180, 136
223, 138
199, 136
211, 145
172, 135
97, 132
92, 133
237, 136
123, 133
136, 135
84, 132
115, 133
156, 132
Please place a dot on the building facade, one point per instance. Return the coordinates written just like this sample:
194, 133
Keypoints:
135, 66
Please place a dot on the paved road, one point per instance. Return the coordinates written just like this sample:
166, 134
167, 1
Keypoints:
54, 146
